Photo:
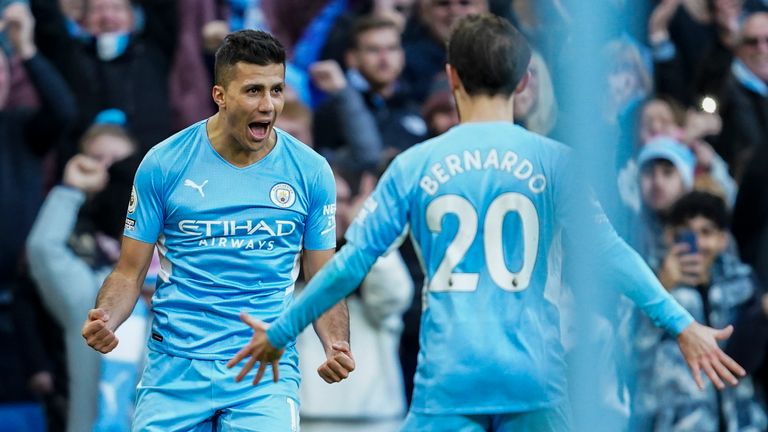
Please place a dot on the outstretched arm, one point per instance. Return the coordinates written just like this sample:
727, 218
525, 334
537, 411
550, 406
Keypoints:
380, 223
598, 246
333, 283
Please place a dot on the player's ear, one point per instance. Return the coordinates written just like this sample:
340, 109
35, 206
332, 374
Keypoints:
523, 82
217, 93
453, 77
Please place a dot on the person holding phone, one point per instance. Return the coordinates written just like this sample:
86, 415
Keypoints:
684, 264
709, 280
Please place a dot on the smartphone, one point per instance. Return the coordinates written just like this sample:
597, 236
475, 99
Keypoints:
688, 237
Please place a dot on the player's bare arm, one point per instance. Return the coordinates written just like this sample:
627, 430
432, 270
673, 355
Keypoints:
332, 327
117, 295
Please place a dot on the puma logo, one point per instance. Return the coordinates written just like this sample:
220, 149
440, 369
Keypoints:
195, 186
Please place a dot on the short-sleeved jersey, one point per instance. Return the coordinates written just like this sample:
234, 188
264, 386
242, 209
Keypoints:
230, 238
479, 200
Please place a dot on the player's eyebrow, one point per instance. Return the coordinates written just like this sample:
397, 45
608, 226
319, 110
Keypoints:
256, 86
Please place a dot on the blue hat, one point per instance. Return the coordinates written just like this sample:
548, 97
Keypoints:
111, 116
671, 150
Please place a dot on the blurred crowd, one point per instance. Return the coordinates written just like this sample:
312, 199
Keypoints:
87, 87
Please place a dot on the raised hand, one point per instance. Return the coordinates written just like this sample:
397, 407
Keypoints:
259, 350
18, 22
97, 332
328, 76
698, 344
86, 174
658, 23
339, 363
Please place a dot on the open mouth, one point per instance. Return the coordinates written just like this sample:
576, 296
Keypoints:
259, 130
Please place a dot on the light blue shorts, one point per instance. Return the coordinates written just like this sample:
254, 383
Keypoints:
182, 394
556, 419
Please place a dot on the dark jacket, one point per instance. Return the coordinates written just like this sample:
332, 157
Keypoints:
26, 136
361, 128
745, 125
136, 82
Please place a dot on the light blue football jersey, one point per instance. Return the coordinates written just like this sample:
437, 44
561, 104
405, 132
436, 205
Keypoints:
481, 208
485, 204
229, 238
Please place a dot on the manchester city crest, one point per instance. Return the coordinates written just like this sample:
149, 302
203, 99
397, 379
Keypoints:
282, 195
133, 201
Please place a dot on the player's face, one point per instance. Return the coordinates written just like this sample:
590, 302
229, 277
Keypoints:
657, 119
108, 149
108, 16
440, 15
661, 185
5, 80
379, 56
753, 48
251, 102
711, 241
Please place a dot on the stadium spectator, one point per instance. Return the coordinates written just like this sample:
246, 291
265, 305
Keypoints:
750, 215
683, 36
27, 135
114, 64
425, 56
744, 97
536, 106
296, 119
70, 250
714, 286
371, 399
439, 112
666, 173
366, 127
661, 116
189, 75
629, 80
338, 43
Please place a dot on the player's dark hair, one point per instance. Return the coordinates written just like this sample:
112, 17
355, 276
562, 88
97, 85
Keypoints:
703, 204
248, 46
367, 23
489, 54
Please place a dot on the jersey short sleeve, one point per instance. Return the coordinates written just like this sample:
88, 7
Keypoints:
320, 231
144, 221
384, 216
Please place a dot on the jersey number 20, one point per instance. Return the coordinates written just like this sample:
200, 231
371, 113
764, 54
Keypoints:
493, 241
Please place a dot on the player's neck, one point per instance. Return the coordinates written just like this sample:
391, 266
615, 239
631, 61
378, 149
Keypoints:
482, 108
228, 148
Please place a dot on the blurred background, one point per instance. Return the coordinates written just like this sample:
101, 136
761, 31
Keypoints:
665, 102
